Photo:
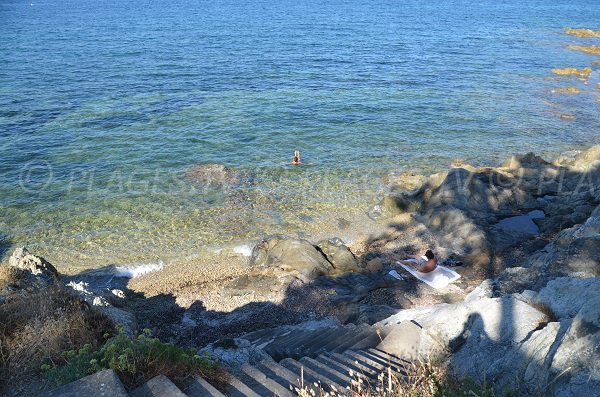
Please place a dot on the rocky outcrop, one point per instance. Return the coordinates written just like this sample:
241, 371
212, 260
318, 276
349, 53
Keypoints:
290, 255
37, 266
340, 257
303, 259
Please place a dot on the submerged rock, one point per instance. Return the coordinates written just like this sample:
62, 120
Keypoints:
567, 90
582, 32
212, 174
584, 73
592, 49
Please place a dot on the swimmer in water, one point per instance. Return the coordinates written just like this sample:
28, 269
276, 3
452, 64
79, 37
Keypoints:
296, 160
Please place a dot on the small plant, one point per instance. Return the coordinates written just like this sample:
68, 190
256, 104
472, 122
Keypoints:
135, 359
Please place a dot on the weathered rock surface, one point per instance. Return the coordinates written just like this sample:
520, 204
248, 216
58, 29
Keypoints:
290, 255
103, 383
340, 257
42, 271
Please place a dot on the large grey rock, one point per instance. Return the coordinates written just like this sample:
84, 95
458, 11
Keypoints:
291, 255
577, 360
565, 296
105, 383
341, 258
521, 224
406, 340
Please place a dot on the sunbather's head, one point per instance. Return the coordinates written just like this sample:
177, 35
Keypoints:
429, 254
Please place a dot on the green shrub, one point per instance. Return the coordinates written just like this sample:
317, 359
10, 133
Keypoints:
135, 360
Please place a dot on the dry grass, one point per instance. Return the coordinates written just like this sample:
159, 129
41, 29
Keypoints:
8, 275
422, 379
37, 327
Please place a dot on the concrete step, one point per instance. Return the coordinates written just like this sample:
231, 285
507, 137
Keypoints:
278, 373
269, 387
103, 383
311, 376
382, 361
361, 333
330, 372
398, 361
334, 343
357, 366
332, 338
303, 338
281, 348
366, 360
265, 339
237, 388
352, 373
158, 386
371, 340
201, 388
398, 369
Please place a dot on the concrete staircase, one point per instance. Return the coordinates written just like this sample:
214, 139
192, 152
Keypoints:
332, 371
334, 358
280, 344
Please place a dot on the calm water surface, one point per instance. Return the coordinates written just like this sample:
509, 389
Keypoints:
105, 104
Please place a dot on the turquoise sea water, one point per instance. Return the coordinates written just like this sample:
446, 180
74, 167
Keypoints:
105, 104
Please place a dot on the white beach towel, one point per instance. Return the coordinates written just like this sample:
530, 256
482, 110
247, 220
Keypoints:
438, 278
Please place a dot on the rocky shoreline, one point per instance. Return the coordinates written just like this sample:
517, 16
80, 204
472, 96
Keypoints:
524, 237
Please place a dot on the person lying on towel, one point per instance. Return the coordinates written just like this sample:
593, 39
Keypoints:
424, 264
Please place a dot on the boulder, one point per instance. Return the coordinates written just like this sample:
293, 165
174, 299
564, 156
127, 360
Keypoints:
405, 181
576, 363
212, 174
565, 296
374, 265
38, 266
290, 255
342, 259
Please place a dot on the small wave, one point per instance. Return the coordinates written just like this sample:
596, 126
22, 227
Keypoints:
136, 271
243, 249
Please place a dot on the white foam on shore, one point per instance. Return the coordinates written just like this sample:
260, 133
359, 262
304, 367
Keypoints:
243, 249
139, 270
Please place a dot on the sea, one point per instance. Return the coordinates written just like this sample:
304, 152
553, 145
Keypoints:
106, 106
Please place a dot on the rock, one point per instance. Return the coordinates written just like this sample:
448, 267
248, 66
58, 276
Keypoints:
406, 341
338, 255
290, 255
405, 182
587, 159
103, 383
38, 266
212, 174
521, 224
578, 356
375, 265
500, 319
234, 353
458, 233
565, 296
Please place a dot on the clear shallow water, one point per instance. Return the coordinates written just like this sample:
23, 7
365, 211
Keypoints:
105, 104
